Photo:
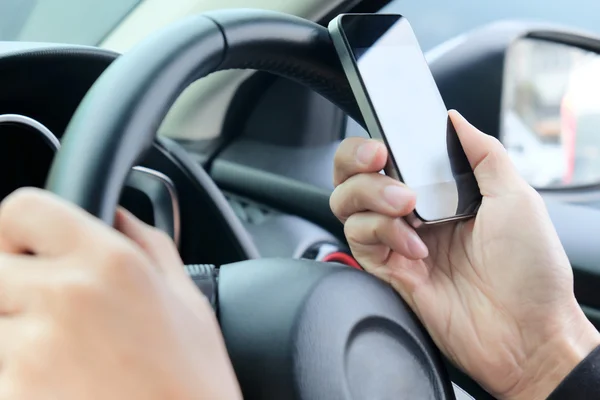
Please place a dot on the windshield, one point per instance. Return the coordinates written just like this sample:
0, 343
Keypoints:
84, 22
436, 21
88, 22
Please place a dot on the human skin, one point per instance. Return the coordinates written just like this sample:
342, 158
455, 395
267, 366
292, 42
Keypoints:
495, 292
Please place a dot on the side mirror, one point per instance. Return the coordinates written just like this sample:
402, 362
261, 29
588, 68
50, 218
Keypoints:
550, 114
536, 87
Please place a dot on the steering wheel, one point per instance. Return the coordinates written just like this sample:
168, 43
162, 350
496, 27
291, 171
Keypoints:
293, 329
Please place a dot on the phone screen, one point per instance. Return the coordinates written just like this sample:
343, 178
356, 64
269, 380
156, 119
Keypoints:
411, 115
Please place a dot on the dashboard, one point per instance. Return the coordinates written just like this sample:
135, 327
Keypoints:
42, 86
28, 148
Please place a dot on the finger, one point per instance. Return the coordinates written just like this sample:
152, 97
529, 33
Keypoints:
491, 164
161, 250
371, 236
36, 221
358, 155
372, 192
156, 244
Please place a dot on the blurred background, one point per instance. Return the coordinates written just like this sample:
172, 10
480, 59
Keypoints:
551, 113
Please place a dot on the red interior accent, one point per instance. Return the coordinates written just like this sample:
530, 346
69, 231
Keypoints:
568, 133
342, 258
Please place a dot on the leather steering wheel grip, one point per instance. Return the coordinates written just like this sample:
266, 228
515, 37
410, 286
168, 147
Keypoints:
294, 329
117, 120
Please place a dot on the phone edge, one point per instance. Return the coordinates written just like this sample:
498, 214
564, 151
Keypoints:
373, 126
372, 123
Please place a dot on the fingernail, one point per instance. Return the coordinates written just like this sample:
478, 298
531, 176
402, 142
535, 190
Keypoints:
366, 152
417, 249
397, 196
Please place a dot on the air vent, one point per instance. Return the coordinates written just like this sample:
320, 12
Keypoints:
247, 211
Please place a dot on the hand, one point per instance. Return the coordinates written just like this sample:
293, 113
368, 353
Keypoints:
88, 313
495, 292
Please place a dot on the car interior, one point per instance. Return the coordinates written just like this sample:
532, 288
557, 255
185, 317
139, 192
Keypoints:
218, 123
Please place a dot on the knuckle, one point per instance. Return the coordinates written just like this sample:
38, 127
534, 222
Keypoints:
21, 200
336, 201
159, 237
33, 353
496, 149
408, 206
347, 199
353, 229
366, 228
344, 157
495, 142
338, 173
123, 263
78, 290
340, 155
69, 290
526, 199
376, 226
159, 240
356, 200
533, 197
347, 148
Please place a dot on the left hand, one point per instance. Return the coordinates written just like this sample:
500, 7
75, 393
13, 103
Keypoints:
87, 312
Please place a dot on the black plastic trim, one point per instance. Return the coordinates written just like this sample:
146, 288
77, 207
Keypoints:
210, 231
163, 195
282, 193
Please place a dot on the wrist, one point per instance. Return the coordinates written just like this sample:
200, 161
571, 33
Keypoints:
555, 360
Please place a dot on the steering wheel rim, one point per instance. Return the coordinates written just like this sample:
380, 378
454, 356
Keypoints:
117, 120
116, 124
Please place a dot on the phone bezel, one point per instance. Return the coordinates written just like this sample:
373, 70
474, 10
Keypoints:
374, 129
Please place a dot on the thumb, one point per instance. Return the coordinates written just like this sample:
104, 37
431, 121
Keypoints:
495, 173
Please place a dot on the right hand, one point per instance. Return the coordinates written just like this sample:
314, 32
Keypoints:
87, 312
495, 292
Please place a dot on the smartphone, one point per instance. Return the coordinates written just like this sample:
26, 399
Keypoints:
402, 106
